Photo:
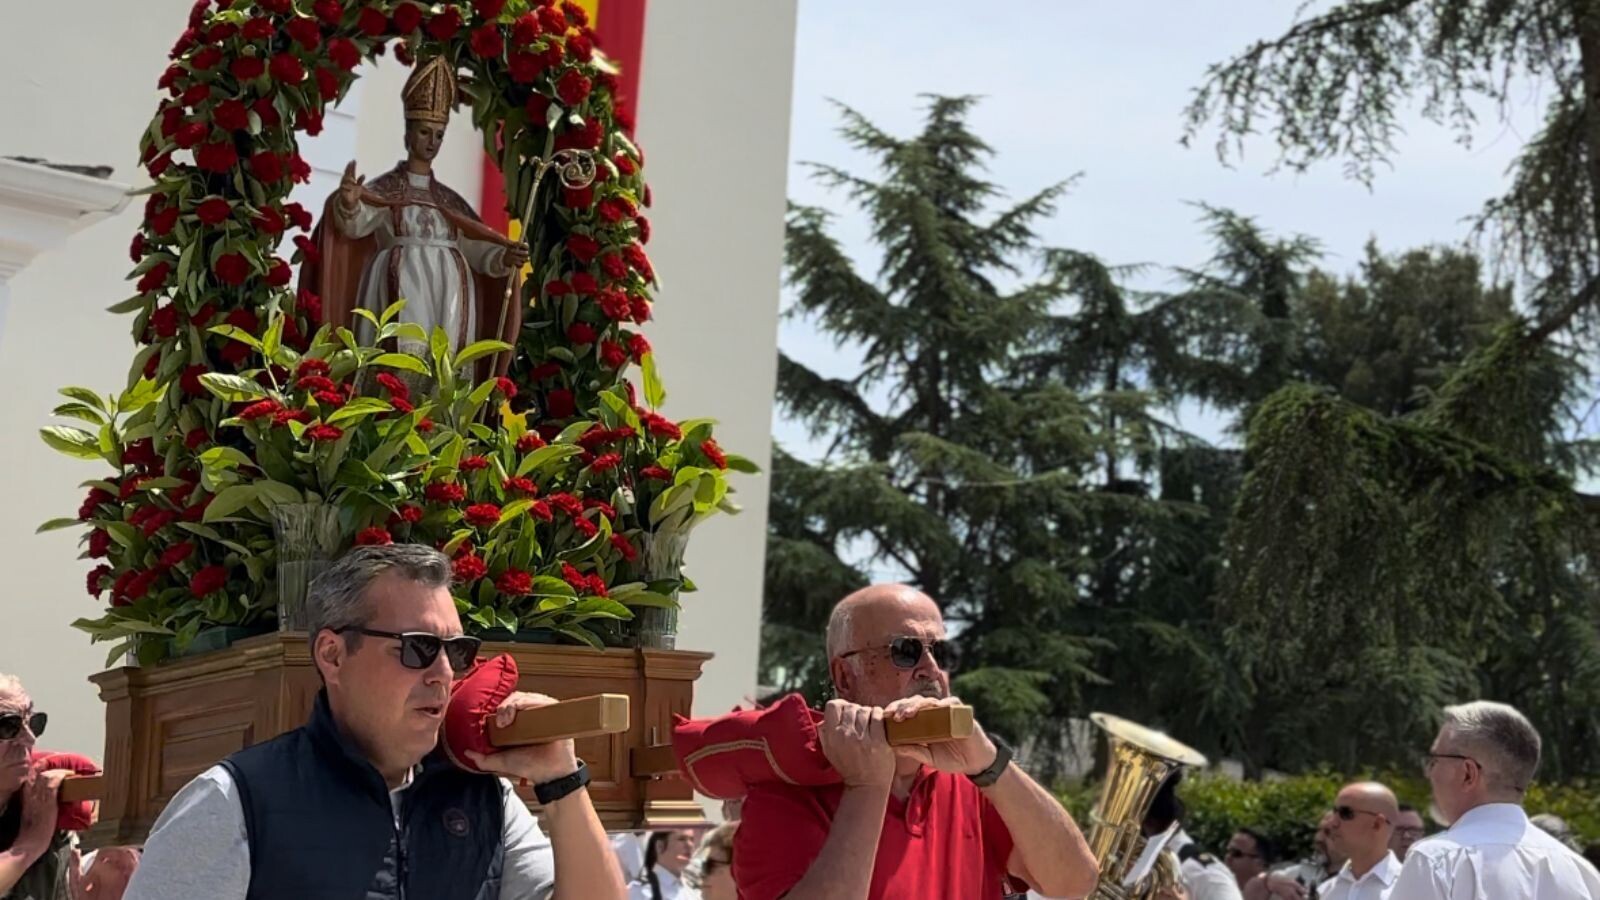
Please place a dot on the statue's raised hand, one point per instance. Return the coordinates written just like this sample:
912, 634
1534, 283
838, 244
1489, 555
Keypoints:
350, 188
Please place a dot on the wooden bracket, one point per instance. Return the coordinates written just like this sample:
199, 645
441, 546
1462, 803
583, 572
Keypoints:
576, 718
78, 788
657, 761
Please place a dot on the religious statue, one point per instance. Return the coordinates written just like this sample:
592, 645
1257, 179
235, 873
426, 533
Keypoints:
403, 235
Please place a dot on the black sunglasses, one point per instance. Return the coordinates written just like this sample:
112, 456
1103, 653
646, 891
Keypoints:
1346, 813
11, 724
906, 652
418, 649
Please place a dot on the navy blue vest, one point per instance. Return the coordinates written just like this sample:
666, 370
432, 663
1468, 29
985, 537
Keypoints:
321, 825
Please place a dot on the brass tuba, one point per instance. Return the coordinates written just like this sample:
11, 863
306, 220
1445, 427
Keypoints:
1141, 759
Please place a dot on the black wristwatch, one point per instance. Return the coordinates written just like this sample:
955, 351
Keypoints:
550, 791
1002, 758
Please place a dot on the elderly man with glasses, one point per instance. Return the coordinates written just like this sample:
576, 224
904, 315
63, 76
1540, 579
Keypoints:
1480, 766
360, 802
943, 820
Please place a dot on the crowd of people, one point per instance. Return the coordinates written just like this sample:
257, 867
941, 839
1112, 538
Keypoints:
360, 802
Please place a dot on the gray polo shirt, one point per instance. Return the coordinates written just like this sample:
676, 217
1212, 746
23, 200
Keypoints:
198, 849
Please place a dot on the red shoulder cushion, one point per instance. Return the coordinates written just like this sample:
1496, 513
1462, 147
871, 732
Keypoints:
72, 816
473, 701
723, 755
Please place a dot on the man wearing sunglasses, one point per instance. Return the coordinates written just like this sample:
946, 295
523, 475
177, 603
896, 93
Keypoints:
1363, 822
1480, 766
358, 802
907, 823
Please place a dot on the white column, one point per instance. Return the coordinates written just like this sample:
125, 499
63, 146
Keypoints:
40, 208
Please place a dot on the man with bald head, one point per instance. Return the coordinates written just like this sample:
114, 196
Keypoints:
1480, 767
954, 820
1364, 814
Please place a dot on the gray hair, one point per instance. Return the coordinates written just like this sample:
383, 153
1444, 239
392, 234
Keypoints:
338, 597
1501, 738
12, 684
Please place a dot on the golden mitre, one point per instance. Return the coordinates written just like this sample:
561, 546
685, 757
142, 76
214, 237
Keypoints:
430, 92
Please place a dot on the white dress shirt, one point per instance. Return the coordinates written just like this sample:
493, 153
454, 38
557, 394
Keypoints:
1206, 879
1376, 884
1493, 853
671, 888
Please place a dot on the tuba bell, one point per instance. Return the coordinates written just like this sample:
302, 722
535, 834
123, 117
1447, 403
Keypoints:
1141, 759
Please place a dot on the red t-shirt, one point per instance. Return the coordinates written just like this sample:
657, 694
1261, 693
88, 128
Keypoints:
945, 840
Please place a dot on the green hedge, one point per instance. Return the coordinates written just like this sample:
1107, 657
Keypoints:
1287, 810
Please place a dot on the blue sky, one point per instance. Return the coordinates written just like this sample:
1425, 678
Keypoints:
1099, 88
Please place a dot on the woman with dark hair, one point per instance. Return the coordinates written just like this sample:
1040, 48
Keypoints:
666, 855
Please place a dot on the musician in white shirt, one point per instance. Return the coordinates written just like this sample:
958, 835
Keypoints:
1364, 814
1480, 766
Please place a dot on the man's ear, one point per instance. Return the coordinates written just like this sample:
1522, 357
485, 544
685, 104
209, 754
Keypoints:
328, 654
843, 678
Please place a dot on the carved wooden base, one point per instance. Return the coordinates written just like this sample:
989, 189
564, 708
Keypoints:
168, 723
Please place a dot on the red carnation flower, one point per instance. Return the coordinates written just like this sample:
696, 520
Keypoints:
231, 115
91, 503
344, 53
257, 29
625, 547
473, 463
661, 426
231, 269
169, 79
575, 14
96, 575
299, 215
489, 9
581, 333
487, 42
327, 84
584, 283
213, 211
526, 29
329, 11
552, 20
613, 210
312, 367
597, 586
537, 108
525, 69
247, 68
270, 221
267, 112
206, 58
372, 23
482, 515
613, 266
406, 18
638, 346
376, 536
284, 416
612, 354
218, 157
445, 492
305, 32
208, 580
409, 514
605, 463
279, 274
164, 321
606, 509
313, 382
541, 510
444, 26
286, 68
639, 261
560, 403
190, 134
573, 577
154, 278
567, 503
514, 583
426, 425
714, 453
469, 567
310, 120
163, 220
506, 387
521, 485
580, 48
177, 553
644, 229
583, 248
573, 87
329, 399
581, 198
99, 544
401, 405
196, 438
159, 165
624, 163
656, 473
545, 371
324, 433
260, 409
557, 289
529, 442
640, 307
281, 7
585, 527
393, 385
196, 94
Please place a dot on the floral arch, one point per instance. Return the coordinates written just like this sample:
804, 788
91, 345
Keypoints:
563, 498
